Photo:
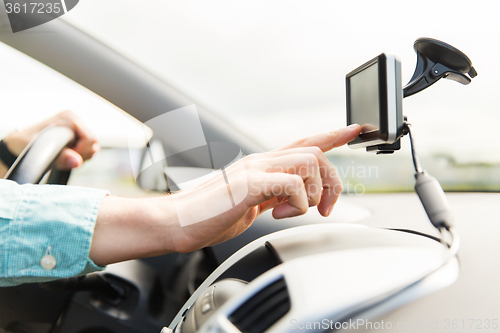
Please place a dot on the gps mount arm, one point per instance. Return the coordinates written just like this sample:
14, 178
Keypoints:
435, 60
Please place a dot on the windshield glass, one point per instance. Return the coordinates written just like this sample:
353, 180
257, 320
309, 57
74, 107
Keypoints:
276, 71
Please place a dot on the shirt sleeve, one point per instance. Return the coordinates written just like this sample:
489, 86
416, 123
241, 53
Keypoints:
46, 231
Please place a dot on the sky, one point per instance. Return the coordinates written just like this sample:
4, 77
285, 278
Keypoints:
276, 69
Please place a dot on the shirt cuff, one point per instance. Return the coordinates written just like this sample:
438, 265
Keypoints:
49, 233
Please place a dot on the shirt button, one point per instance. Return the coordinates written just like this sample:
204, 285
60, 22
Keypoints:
48, 262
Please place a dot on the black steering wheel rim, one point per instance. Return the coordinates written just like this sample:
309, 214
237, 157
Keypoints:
39, 157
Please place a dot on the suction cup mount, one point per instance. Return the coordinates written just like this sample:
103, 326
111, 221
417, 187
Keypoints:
437, 60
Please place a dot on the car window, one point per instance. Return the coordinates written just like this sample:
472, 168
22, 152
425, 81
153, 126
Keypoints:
276, 71
31, 92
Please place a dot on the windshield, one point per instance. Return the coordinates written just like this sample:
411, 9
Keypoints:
276, 71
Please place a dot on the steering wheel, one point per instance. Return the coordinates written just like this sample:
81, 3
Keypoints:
39, 156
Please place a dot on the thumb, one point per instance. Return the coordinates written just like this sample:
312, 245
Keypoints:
68, 159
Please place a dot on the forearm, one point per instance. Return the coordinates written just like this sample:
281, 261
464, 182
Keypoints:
129, 228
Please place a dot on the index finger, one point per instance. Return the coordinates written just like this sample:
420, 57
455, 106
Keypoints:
329, 140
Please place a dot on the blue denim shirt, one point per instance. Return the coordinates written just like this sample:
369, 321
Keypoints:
37, 221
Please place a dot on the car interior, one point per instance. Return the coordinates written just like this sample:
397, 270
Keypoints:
388, 254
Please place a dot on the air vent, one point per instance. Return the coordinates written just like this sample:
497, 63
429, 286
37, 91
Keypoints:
263, 309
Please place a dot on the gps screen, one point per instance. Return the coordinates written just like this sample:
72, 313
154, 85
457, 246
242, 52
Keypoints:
364, 99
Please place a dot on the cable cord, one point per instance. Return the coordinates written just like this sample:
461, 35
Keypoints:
416, 161
454, 244
455, 241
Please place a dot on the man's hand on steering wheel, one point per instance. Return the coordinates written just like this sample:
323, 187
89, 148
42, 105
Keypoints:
85, 146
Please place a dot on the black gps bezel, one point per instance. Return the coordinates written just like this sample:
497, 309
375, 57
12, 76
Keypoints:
383, 132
